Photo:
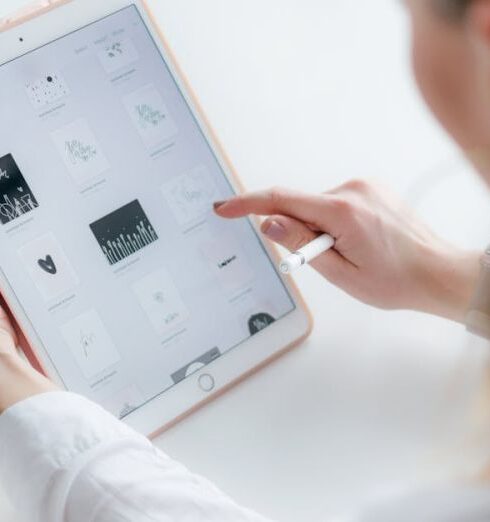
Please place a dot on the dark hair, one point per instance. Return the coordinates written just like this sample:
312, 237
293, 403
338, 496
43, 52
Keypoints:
452, 9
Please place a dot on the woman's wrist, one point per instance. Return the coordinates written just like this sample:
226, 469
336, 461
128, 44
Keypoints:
19, 381
449, 279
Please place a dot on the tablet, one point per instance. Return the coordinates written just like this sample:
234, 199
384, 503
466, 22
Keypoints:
130, 290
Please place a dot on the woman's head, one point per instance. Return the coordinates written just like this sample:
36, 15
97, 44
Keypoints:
451, 56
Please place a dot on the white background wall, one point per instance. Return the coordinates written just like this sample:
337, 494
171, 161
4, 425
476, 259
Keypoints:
308, 94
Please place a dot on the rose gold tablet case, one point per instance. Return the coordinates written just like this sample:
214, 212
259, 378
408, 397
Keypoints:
41, 7
28, 12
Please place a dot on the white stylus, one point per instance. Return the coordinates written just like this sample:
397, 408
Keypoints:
306, 254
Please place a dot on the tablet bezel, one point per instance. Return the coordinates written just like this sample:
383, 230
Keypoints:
44, 24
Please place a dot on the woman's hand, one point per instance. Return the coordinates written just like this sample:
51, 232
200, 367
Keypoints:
18, 380
383, 254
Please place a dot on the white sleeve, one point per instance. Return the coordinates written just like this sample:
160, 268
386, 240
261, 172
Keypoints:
64, 459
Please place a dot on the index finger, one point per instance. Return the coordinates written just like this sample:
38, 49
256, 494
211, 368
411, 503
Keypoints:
303, 207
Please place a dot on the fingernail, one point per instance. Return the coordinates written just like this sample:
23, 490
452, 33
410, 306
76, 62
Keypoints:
275, 231
218, 204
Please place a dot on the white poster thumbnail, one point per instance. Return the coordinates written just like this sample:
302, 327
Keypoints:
47, 90
191, 195
80, 150
150, 116
161, 301
90, 344
48, 266
228, 263
117, 54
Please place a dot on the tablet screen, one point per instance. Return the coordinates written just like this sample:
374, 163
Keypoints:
107, 234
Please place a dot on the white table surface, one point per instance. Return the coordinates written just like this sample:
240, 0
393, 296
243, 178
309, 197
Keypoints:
307, 94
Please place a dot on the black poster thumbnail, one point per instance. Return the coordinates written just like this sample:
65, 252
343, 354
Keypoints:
258, 322
123, 232
16, 198
195, 365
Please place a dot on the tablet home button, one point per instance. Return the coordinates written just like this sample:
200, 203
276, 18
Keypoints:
206, 382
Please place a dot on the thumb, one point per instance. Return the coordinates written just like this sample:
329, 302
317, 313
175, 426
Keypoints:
293, 235
288, 232
7, 334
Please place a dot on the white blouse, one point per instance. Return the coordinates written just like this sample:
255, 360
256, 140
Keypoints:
64, 459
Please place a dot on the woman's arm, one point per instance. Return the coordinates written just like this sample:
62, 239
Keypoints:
64, 459
383, 255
